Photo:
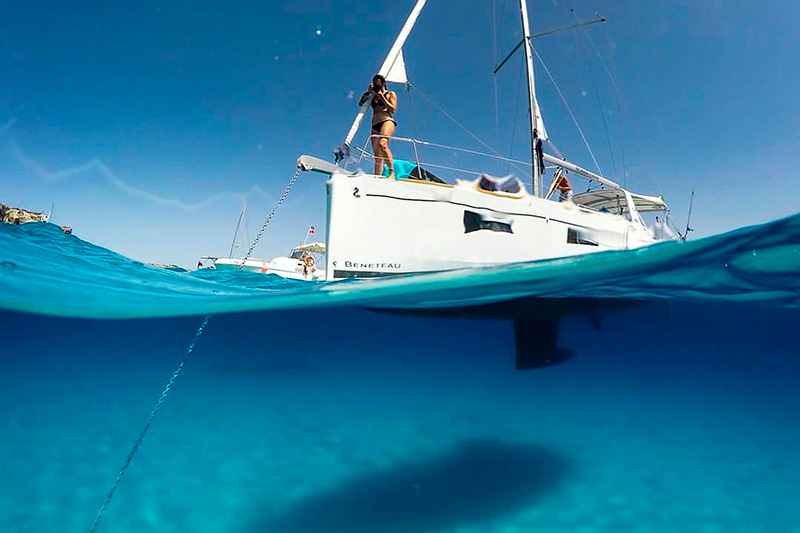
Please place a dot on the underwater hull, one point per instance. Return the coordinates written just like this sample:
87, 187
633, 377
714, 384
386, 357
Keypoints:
379, 227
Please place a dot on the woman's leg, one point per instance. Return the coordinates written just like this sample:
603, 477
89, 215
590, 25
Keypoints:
378, 153
387, 130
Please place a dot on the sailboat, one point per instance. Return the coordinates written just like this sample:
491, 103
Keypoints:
378, 226
302, 263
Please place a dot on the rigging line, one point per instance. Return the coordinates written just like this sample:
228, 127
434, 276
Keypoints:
590, 182
617, 94
494, 78
457, 123
473, 152
542, 34
596, 51
571, 114
149, 422
452, 169
555, 148
414, 122
448, 115
450, 147
619, 111
236, 232
516, 114
411, 107
494, 30
658, 182
496, 116
246, 228
502, 11
578, 48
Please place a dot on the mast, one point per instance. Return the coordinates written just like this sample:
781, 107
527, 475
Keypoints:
394, 52
538, 133
238, 224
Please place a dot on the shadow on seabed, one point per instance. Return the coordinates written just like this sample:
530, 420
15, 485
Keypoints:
476, 481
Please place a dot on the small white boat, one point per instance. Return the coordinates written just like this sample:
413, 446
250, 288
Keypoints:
301, 263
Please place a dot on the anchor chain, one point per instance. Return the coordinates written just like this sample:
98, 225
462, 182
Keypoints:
146, 427
281, 199
177, 371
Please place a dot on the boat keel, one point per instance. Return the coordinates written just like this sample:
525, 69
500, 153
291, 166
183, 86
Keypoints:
536, 322
537, 344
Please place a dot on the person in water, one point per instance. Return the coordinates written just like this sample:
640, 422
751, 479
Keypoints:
384, 106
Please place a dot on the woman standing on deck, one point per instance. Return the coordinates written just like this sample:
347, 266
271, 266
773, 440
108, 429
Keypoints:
384, 106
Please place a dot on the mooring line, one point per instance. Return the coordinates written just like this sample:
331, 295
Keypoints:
281, 199
146, 427
175, 374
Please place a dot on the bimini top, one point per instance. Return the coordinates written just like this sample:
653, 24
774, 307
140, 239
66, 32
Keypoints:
614, 200
313, 247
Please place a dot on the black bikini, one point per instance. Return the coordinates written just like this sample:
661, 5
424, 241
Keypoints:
380, 108
377, 127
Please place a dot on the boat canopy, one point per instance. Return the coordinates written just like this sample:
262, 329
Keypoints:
614, 200
313, 247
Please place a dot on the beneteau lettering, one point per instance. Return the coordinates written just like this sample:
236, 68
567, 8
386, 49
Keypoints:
351, 264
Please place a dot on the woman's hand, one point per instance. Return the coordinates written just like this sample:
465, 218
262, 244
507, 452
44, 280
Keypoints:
365, 96
390, 100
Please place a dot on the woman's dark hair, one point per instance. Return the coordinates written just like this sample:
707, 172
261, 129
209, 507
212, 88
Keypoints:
379, 77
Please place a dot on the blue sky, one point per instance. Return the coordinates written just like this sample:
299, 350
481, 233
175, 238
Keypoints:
148, 123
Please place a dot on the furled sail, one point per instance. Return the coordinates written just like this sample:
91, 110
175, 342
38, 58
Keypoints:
539, 122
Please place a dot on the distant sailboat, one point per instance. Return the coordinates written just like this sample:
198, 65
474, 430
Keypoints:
301, 263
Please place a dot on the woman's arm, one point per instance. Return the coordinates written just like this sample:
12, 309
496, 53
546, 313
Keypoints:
389, 99
363, 98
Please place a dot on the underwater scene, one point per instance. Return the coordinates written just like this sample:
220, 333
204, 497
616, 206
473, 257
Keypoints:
394, 404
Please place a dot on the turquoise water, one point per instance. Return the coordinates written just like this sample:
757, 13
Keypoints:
301, 410
45, 271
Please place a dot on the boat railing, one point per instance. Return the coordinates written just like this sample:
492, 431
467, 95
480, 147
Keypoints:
627, 208
522, 167
416, 147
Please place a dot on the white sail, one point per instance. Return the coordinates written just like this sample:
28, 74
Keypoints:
397, 72
539, 121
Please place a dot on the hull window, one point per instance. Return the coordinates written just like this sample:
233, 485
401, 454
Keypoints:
476, 222
574, 236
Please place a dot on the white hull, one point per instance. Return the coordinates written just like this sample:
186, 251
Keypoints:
379, 227
282, 266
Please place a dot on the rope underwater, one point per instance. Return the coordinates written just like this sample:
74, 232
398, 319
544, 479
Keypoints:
177, 371
147, 425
